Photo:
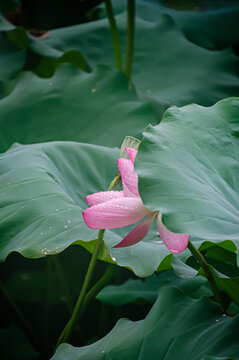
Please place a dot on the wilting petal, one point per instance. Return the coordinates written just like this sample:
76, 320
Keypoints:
129, 178
132, 153
175, 242
103, 196
115, 213
138, 233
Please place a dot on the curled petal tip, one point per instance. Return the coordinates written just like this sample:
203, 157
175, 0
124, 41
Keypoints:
175, 242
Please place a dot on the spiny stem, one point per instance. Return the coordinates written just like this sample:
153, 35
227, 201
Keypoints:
80, 301
204, 265
114, 34
130, 38
24, 321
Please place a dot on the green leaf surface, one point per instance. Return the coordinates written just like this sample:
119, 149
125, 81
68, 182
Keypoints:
45, 55
73, 105
217, 358
14, 345
148, 289
213, 25
12, 59
223, 260
4, 24
43, 189
183, 270
229, 285
188, 169
166, 67
177, 327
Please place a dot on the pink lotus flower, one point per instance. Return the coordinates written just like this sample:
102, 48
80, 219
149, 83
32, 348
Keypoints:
113, 209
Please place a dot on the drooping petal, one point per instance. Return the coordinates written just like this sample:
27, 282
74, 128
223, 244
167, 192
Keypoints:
132, 153
103, 196
175, 242
129, 178
138, 233
115, 213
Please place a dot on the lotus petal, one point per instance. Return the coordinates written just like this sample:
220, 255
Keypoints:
175, 242
103, 196
115, 213
129, 178
138, 233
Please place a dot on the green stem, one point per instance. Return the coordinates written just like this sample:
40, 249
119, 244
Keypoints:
24, 321
204, 265
97, 287
114, 34
62, 282
130, 38
69, 326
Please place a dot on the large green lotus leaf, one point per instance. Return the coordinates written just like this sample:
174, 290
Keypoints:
217, 358
167, 67
213, 25
188, 169
12, 59
4, 24
177, 327
38, 55
148, 289
223, 260
14, 345
43, 189
73, 105
229, 285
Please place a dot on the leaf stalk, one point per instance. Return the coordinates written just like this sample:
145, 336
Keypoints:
130, 37
114, 34
66, 333
207, 271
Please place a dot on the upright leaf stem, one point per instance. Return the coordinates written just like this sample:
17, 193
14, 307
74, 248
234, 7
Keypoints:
130, 38
204, 265
80, 301
114, 34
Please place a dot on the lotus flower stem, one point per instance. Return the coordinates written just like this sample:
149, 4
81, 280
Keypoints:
104, 280
114, 34
80, 301
130, 38
204, 265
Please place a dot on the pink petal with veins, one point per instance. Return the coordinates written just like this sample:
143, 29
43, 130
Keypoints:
175, 242
115, 213
132, 153
129, 178
138, 233
103, 196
